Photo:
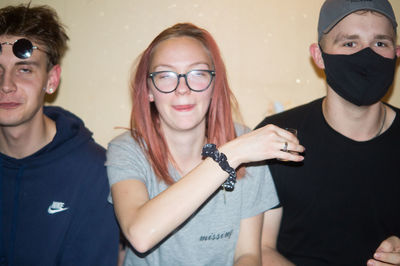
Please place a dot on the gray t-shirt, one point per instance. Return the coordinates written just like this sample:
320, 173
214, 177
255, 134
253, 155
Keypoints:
209, 236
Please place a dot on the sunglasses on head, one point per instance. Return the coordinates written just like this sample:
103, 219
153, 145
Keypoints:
22, 48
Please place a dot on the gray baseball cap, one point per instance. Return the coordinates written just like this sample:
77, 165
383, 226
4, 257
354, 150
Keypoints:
333, 11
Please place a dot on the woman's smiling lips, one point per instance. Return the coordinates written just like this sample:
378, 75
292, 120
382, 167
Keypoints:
183, 107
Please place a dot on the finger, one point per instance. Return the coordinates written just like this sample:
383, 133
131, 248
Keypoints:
285, 146
378, 263
280, 131
277, 150
269, 132
388, 257
294, 147
389, 245
286, 135
289, 156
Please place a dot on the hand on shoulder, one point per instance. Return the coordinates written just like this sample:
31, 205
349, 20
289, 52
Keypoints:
388, 253
265, 143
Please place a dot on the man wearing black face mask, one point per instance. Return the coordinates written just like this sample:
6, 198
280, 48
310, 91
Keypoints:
341, 205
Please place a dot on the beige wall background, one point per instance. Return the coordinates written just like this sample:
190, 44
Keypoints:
264, 44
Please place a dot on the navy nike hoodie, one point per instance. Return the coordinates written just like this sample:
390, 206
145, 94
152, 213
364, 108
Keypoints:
53, 204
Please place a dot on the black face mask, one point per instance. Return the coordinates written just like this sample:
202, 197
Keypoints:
362, 78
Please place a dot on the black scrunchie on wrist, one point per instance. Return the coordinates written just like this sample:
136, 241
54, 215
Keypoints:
210, 150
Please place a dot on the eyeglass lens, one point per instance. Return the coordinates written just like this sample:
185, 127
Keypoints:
22, 48
196, 80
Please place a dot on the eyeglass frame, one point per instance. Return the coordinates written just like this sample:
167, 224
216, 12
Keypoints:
179, 76
30, 50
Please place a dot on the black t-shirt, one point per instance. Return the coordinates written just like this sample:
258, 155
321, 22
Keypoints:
344, 199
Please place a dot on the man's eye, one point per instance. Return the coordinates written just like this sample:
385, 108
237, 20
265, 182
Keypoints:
349, 44
380, 44
25, 70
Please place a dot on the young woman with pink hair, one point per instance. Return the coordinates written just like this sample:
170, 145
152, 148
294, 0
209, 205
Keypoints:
173, 175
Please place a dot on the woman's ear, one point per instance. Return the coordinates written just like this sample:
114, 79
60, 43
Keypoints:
151, 97
316, 54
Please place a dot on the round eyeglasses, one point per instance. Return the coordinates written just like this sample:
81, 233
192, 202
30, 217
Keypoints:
22, 48
196, 80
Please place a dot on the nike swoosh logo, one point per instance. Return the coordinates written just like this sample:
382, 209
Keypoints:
53, 210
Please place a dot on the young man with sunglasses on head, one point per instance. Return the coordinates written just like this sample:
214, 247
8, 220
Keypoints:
53, 183
341, 205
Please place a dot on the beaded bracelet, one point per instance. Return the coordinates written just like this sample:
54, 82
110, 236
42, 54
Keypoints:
210, 150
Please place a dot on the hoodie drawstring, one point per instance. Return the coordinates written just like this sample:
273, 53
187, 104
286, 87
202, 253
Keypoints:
2, 252
3, 259
15, 214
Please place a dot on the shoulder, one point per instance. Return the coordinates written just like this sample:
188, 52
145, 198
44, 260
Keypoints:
86, 152
125, 142
96, 149
292, 116
86, 164
125, 148
127, 160
122, 139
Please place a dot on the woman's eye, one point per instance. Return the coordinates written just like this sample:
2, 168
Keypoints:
199, 73
165, 75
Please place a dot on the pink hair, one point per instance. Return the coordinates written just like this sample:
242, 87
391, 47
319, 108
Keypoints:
145, 126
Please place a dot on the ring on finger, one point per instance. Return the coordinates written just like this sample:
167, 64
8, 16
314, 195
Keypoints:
285, 147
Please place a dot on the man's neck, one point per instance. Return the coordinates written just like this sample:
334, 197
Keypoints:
360, 123
24, 140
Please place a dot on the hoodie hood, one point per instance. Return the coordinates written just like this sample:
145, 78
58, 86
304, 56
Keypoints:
71, 133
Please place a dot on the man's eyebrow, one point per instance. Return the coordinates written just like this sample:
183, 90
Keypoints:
31, 63
23, 63
384, 37
342, 37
